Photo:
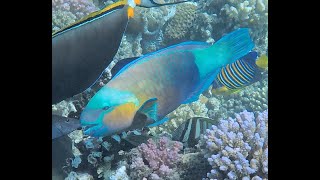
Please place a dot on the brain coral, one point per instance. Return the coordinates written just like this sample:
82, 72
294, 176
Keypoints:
178, 27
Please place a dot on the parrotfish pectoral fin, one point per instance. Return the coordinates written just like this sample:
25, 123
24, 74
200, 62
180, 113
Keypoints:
150, 108
157, 123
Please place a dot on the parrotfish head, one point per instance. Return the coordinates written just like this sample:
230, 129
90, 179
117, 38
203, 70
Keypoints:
108, 112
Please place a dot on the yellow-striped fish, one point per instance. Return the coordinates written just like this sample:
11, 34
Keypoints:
243, 72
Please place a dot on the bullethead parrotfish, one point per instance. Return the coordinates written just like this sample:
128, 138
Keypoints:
243, 72
157, 83
189, 131
83, 50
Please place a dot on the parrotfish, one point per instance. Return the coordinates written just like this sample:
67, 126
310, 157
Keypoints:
157, 83
82, 51
235, 76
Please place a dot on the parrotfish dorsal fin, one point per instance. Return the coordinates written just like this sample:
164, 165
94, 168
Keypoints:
262, 61
150, 108
92, 16
121, 64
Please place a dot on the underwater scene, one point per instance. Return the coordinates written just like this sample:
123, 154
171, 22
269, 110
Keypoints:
159, 89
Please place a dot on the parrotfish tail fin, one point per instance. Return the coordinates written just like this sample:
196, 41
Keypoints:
232, 47
156, 3
262, 61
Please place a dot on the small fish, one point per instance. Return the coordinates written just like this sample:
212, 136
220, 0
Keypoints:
155, 84
63, 125
235, 76
189, 132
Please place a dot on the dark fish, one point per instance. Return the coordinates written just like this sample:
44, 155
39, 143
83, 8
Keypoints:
61, 150
189, 132
63, 125
155, 3
82, 51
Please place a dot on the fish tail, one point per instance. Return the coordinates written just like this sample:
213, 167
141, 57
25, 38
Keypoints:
232, 46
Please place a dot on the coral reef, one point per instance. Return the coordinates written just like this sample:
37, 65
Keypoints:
253, 98
120, 174
78, 176
66, 12
238, 148
193, 166
243, 152
220, 17
161, 158
63, 108
178, 27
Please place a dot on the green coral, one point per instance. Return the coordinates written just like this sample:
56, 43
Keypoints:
178, 27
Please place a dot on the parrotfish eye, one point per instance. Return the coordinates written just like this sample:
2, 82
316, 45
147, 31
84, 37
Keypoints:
105, 108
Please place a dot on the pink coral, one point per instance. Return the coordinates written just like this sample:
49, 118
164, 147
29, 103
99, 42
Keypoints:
165, 154
156, 161
79, 8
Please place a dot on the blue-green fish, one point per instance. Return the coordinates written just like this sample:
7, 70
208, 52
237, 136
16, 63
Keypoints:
157, 83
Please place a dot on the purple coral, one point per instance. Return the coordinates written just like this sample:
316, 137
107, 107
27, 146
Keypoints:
238, 148
79, 8
66, 12
161, 158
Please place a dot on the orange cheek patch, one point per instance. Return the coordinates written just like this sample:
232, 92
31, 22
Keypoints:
120, 117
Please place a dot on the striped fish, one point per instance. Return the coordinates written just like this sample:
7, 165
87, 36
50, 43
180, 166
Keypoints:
189, 132
239, 74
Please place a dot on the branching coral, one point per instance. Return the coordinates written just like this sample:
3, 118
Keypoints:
238, 148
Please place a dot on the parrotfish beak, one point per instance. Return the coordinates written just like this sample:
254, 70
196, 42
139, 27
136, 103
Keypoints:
104, 123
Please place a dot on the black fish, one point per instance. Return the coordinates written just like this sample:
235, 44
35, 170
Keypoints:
189, 132
82, 51
63, 125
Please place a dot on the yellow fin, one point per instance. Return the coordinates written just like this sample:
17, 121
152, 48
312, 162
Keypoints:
224, 91
130, 12
93, 14
262, 61
220, 90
